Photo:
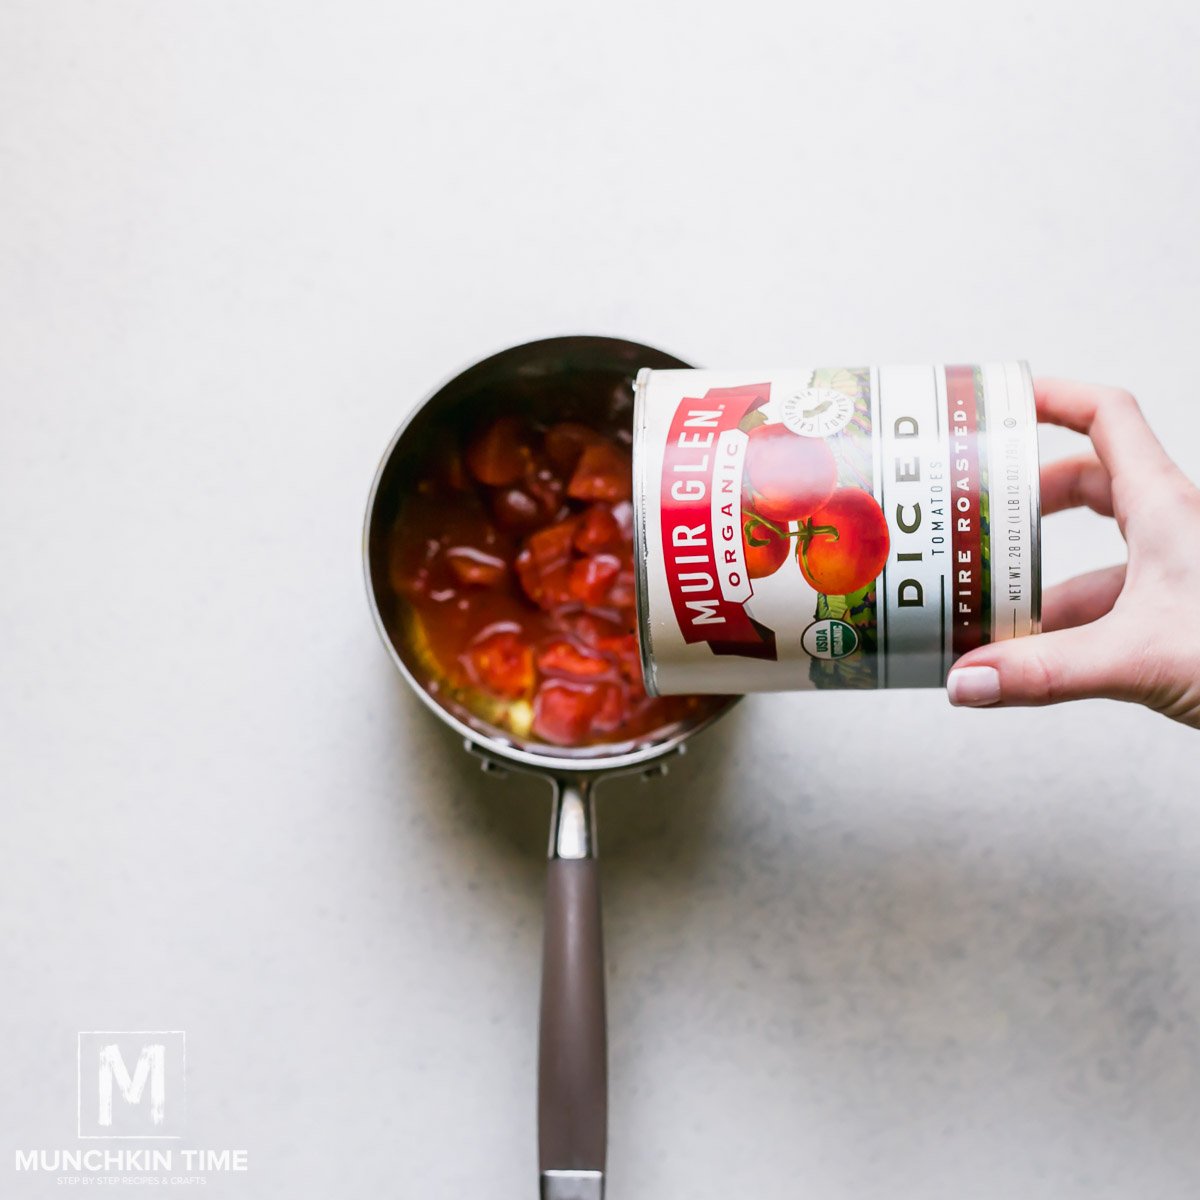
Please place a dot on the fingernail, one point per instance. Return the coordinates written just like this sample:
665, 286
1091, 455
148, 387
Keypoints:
974, 687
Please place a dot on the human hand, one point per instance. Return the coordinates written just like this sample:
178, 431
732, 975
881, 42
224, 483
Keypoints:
1129, 632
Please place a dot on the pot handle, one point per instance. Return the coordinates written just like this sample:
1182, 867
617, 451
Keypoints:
572, 1049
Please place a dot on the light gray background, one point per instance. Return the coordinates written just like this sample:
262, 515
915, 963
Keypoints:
859, 946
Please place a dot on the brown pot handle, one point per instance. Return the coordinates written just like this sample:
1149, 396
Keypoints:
572, 1051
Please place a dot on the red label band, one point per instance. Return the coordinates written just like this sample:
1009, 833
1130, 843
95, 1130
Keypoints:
690, 543
966, 590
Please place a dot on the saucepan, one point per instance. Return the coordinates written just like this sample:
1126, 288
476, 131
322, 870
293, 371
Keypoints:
568, 378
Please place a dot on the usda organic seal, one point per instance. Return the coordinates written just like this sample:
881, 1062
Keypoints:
830, 638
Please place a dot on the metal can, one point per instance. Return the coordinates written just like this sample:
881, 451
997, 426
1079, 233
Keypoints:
832, 527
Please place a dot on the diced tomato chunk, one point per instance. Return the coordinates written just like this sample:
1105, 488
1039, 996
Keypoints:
623, 593
623, 515
547, 587
565, 442
552, 545
561, 658
591, 629
515, 509
545, 487
604, 473
475, 567
598, 530
563, 712
624, 649
499, 454
591, 577
613, 710
502, 663
544, 565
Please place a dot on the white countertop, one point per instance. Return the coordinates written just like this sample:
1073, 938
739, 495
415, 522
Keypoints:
859, 946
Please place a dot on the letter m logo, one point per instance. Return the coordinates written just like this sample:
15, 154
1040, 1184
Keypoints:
130, 1083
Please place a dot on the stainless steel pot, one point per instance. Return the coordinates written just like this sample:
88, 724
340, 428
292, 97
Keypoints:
572, 1055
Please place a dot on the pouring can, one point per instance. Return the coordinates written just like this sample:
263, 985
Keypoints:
832, 527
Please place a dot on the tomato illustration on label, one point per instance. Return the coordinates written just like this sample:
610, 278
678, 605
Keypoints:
766, 545
789, 475
844, 544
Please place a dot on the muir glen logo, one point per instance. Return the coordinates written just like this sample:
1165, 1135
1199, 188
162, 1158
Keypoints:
744, 498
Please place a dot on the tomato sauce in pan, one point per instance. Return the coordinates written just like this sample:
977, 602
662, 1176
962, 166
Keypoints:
514, 552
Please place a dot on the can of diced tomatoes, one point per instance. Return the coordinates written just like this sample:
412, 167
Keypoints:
832, 527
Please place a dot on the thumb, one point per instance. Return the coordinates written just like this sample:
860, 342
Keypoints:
1069, 664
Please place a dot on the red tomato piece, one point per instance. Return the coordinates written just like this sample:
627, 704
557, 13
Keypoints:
604, 473
475, 567
499, 454
552, 545
613, 710
591, 577
547, 587
623, 515
544, 565
563, 711
561, 658
844, 544
624, 650
623, 593
502, 663
545, 487
790, 475
592, 629
598, 530
565, 442
515, 510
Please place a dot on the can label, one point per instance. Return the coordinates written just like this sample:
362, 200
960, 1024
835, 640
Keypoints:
846, 527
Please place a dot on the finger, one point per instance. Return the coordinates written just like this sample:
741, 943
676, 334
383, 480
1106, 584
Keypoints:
1124, 442
1069, 664
1076, 482
1082, 600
